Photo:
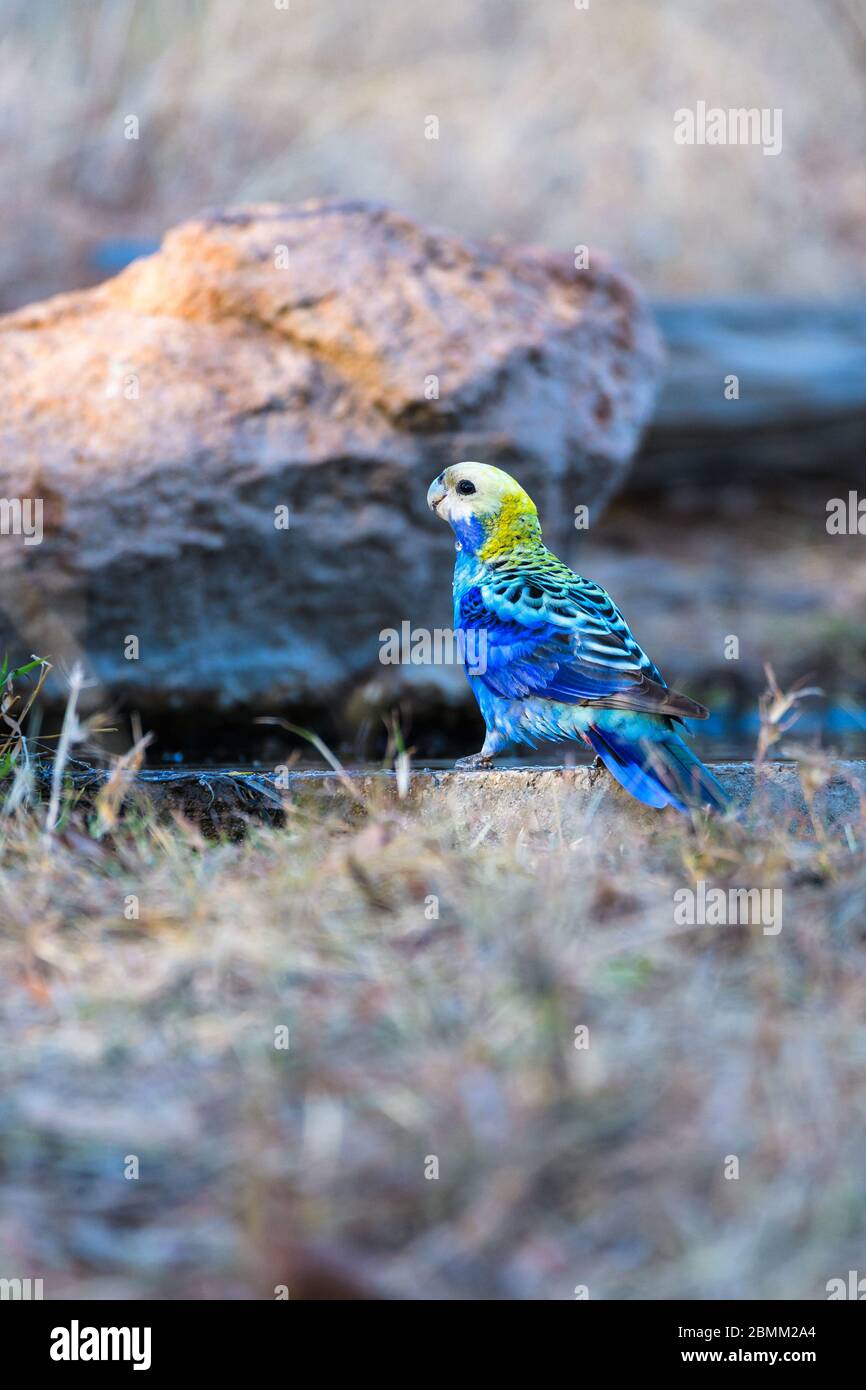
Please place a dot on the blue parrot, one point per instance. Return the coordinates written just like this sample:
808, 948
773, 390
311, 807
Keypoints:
548, 654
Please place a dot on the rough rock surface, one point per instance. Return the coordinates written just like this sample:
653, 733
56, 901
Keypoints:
543, 800
273, 357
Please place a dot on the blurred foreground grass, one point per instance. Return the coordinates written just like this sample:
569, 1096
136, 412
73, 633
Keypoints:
431, 985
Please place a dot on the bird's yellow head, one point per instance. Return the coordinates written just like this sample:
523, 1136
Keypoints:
486, 508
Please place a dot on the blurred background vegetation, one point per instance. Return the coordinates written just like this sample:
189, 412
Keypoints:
555, 126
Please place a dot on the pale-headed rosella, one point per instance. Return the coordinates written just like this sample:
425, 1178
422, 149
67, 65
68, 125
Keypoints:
549, 656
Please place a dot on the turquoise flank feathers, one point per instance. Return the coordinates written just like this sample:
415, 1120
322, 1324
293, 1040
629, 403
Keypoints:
557, 660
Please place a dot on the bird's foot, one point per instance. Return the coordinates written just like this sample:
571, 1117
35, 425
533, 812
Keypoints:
475, 762
595, 767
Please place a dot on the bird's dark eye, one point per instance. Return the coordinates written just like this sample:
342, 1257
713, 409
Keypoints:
465, 487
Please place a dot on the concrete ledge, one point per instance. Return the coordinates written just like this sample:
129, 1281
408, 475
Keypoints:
512, 798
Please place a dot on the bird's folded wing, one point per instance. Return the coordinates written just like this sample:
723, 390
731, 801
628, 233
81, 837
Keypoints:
571, 646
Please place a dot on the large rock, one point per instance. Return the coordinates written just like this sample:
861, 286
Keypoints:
272, 356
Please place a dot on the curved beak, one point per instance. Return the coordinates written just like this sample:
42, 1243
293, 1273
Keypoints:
436, 493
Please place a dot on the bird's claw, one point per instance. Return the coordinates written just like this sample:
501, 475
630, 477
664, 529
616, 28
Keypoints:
475, 762
595, 768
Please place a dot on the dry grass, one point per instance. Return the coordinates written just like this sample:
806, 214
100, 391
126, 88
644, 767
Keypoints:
414, 1037
556, 125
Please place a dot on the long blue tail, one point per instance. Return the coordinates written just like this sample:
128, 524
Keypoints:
659, 770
